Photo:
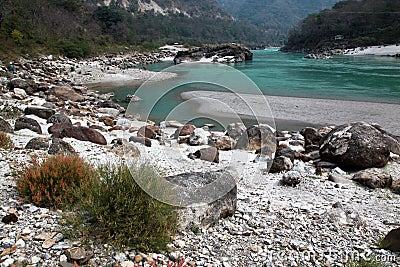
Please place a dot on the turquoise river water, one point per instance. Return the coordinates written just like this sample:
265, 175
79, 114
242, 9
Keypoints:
359, 78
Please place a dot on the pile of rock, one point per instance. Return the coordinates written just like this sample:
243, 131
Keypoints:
224, 53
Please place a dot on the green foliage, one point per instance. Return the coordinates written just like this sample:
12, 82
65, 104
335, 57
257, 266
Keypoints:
364, 263
56, 181
124, 213
74, 49
86, 29
5, 141
17, 36
361, 23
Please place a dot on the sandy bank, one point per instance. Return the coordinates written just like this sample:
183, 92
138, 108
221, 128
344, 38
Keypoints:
388, 50
93, 75
309, 110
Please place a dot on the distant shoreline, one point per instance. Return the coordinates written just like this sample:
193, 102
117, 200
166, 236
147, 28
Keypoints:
379, 50
300, 110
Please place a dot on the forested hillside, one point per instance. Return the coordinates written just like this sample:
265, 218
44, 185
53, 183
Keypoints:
276, 17
348, 24
78, 28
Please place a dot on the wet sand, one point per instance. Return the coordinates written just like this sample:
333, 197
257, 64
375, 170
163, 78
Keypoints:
292, 111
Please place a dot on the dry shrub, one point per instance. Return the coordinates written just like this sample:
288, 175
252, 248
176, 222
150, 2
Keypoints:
57, 182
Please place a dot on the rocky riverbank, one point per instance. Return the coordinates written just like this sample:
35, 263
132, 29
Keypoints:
313, 205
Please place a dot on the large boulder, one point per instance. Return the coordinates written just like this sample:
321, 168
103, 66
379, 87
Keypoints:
29, 86
392, 241
40, 112
199, 137
67, 93
124, 149
280, 164
84, 134
5, 126
225, 143
210, 154
149, 131
186, 129
38, 143
59, 146
355, 146
56, 129
260, 138
235, 130
59, 118
203, 212
27, 123
373, 178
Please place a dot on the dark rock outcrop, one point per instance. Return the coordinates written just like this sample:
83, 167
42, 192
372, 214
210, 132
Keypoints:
27, 123
238, 53
392, 241
38, 143
84, 134
41, 112
280, 164
355, 146
5, 126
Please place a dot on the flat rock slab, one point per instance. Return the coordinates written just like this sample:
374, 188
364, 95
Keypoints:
208, 197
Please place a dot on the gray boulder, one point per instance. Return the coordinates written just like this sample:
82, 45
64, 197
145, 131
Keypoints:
291, 178
355, 146
59, 118
124, 149
27, 123
38, 143
235, 130
59, 146
204, 211
210, 154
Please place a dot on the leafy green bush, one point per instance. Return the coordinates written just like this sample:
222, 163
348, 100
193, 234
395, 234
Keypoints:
56, 181
5, 141
124, 213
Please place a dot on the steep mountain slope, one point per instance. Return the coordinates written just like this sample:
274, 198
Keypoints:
79, 28
276, 17
348, 24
